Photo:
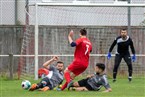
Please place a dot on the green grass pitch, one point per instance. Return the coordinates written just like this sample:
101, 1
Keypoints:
121, 88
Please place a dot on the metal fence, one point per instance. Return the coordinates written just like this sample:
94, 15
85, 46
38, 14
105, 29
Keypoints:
53, 41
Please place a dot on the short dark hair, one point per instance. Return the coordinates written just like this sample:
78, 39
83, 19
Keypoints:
101, 66
83, 31
60, 62
124, 28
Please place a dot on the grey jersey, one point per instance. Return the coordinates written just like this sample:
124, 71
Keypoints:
55, 76
97, 81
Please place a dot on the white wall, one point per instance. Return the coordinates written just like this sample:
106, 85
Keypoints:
7, 10
100, 16
21, 12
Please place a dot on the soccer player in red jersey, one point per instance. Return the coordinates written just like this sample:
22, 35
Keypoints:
81, 57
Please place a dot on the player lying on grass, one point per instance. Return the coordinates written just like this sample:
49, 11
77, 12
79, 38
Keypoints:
53, 79
93, 82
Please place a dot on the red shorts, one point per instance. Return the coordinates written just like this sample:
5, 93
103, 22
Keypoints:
77, 67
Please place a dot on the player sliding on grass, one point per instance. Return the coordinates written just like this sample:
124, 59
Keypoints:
93, 82
81, 57
53, 79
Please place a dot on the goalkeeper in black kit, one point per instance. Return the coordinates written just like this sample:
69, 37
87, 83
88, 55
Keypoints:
123, 43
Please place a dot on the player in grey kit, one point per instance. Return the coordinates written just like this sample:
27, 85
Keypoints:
54, 77
93, 82
123, 43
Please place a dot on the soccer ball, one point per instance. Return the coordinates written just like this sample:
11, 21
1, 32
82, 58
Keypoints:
26, 84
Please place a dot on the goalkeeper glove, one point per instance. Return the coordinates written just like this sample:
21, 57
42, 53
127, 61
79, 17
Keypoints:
133, 58
109, 56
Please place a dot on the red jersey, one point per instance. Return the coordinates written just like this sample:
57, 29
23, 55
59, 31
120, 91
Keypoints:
82, 51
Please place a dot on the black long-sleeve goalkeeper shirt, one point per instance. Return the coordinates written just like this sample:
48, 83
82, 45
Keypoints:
123, 45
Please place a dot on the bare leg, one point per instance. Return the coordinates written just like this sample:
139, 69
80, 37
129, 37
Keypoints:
76, 84
80, 88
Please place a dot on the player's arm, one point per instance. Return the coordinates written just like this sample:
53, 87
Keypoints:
112, 46
105, 83
133, 51
72, 43
47, 63
89, 76
132, 47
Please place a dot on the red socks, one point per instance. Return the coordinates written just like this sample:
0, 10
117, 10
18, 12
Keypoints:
67, 77
64, 86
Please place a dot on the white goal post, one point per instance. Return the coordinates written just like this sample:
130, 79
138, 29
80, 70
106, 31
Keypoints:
51, 4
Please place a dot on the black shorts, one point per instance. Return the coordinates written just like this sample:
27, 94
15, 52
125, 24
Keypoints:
84, 83
46, 82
